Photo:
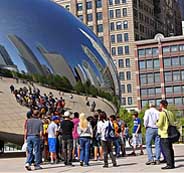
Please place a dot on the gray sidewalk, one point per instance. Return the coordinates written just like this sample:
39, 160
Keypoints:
128, 164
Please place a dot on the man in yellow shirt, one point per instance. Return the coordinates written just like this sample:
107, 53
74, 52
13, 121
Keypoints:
162, 125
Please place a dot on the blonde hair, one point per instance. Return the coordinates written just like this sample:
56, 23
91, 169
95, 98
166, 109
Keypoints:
83, 121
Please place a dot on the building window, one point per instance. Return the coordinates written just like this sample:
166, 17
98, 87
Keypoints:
113, 51
176, 76
127, 62
174, 48
98, 3
144, 103
130, 101
168, 76
175, 61
118, 13
119, 38
127, 52
89, 17
118, 25
112, 26
121, 63
150, 78
99, 16
126, 37
79, 7
141, 52
117, 1
181, 47
155, 51
157, 77
182, 75
122, 88
144, 92
124, 1
182, 60
110, 2
167, 62
100, 28
166, 49
148, 52
158, 91
112, 38
169, 90
125, 24
128, 75
124, 11
80, 17
143, 79
178, 101
170, 101
121, 76
151, 91
129, 88
123, 101
149, 64
177, 89
142, 65
120, 50
111, 14
89, 5
156, 63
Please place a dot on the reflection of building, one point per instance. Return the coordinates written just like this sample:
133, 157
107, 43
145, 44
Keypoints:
5, 60
29, 59
58, 64
160, 70
118, 24
80, 73
90, 73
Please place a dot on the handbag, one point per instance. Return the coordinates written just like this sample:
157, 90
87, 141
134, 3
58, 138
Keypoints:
173, 133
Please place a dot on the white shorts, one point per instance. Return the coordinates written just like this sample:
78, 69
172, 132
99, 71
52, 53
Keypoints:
137, 139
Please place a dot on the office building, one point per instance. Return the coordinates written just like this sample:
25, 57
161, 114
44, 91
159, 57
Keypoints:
160, 70
118, 23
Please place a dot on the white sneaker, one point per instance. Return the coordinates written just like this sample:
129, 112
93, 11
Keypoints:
28, 167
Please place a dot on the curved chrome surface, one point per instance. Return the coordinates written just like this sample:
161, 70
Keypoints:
39, 36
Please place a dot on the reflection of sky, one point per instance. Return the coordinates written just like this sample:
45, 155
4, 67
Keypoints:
48, 24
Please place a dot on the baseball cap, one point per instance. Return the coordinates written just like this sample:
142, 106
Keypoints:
55, 118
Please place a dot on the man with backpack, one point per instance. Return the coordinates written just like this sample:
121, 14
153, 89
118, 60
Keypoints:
107, 133
166, 118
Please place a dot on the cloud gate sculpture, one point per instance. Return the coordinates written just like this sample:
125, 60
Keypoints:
42, 37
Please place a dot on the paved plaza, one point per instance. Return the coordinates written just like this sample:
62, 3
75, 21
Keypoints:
128, 164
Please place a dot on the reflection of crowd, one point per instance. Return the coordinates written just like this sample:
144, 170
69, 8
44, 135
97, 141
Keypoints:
31, 98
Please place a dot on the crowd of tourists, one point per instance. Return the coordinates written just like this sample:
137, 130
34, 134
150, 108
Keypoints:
54, 135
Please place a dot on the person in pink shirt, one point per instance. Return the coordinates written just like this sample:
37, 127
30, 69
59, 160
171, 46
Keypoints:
76, 148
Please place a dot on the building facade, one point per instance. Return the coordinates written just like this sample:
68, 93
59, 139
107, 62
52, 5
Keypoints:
118, 23
160, 70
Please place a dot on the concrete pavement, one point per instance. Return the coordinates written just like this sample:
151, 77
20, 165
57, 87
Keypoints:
128, 164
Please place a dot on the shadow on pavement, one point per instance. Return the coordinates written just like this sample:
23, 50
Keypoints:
179, 166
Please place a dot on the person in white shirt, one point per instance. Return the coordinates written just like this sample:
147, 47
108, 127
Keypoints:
150, 118
52, 135
102, 126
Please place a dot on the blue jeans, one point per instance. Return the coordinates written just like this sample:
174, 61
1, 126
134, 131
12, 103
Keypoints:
152, 134
117, 146
33, 144
84, 150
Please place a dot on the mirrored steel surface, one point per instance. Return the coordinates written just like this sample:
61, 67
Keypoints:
39, 36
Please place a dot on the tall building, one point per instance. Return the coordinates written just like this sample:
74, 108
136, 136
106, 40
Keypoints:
160, 70
168, 17
181, 4
118, 23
